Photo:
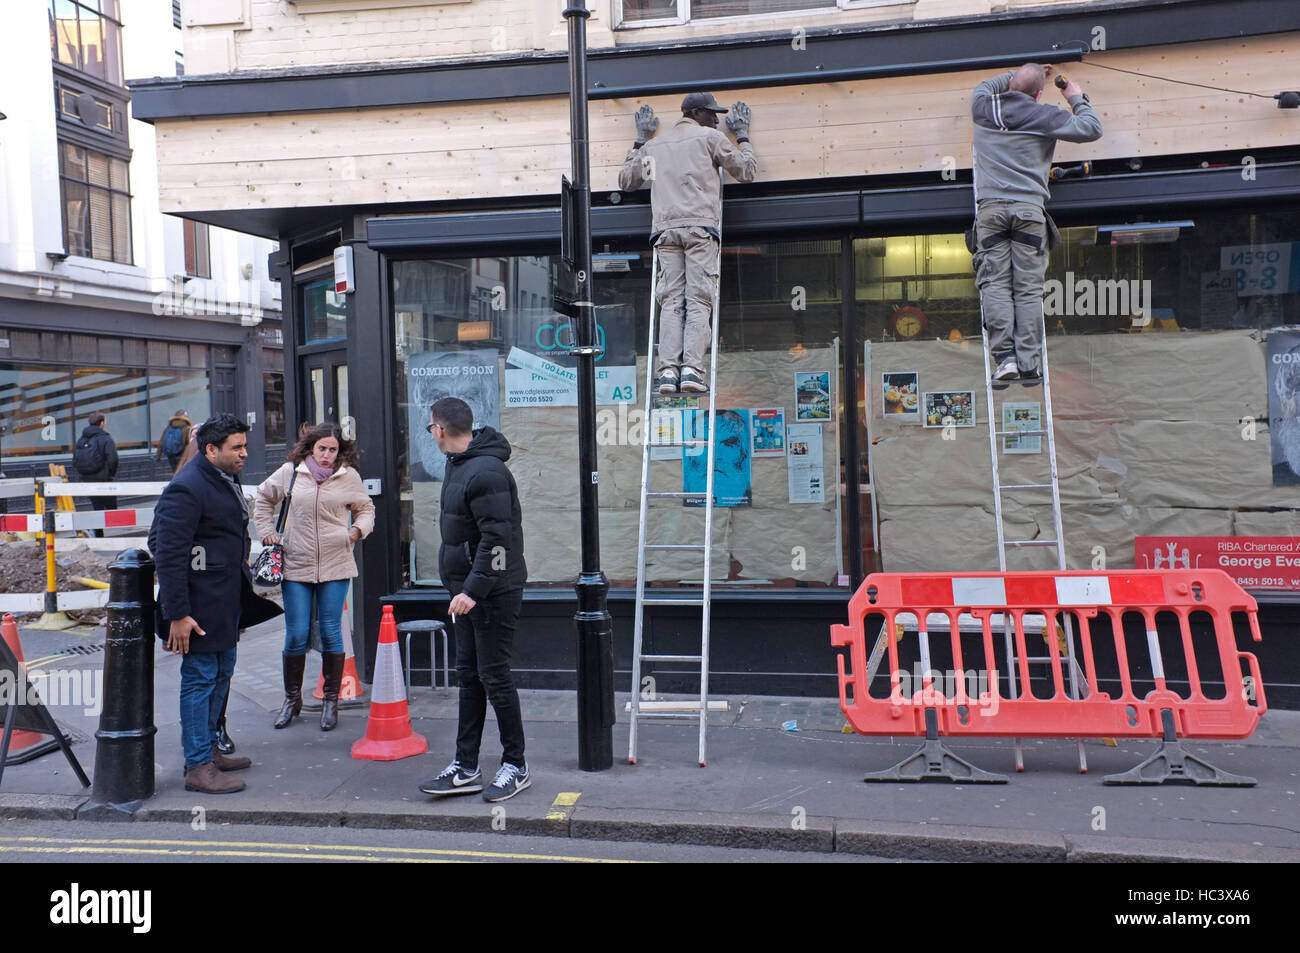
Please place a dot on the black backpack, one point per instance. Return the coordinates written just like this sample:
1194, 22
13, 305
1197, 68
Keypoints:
89, 455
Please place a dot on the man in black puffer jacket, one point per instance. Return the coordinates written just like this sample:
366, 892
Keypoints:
482, 565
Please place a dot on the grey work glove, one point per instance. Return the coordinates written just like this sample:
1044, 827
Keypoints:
646, 123
738, 120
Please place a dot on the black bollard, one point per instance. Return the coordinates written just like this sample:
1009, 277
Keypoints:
124, 765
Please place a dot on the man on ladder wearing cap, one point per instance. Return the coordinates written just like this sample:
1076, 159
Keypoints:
686, 202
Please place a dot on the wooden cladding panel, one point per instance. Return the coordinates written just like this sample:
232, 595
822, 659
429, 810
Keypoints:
902, 124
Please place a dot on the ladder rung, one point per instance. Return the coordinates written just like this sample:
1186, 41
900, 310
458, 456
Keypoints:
645, 601
677, 443
672, 658
1025, 486
673, 493
1020, 433
668, 714
674, 546
1029, 542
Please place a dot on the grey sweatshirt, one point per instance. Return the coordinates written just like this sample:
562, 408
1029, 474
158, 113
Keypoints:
1015, 136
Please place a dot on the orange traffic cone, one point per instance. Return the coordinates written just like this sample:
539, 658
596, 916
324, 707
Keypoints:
23, 745
389, 735
350, 691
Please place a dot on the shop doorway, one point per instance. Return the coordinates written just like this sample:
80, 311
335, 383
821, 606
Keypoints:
325, 389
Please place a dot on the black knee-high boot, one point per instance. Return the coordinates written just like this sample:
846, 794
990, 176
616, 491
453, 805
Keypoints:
224, 742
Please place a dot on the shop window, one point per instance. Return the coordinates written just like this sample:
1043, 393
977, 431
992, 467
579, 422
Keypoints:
36, 408
85, 35
1161, 339
198, 258
120, 394
96, 204
779, 372
273, 387
171, 391
325, 313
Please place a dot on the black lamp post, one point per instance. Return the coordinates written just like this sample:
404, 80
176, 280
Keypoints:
595, 627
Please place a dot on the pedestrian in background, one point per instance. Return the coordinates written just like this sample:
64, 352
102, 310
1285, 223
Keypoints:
329, 513
481, 561
95, 459
174, 439
199, 539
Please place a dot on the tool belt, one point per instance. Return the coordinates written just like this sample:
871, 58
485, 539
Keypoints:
997, 238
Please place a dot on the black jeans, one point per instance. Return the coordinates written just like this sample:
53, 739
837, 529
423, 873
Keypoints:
484, 640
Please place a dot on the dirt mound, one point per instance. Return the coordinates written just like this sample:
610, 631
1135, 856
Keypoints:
22, 569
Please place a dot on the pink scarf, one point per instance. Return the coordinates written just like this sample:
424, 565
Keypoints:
318, 472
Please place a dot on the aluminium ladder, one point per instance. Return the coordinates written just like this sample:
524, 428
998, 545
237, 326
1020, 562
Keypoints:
1076, 680
704, 600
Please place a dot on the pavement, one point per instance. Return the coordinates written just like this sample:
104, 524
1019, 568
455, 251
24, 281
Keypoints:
765, 787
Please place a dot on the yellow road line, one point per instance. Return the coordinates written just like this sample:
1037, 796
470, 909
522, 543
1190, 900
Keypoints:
172, 852
566, 799
421, 851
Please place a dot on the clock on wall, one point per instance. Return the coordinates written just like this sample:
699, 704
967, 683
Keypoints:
908, 321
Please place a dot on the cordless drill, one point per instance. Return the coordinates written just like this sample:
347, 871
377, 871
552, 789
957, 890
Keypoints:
1062, 81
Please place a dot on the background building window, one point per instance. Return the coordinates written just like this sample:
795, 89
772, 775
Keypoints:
198, 258
668, 12
96, 204
86, 36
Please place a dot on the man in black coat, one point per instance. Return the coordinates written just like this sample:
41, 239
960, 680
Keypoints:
95, 460
200, 543
482, 565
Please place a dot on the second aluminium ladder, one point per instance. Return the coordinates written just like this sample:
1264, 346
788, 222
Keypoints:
704, 600
1057, 541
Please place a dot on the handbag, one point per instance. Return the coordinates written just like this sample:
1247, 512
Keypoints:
268, 568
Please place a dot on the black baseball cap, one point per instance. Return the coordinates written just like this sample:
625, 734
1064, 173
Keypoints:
694, 101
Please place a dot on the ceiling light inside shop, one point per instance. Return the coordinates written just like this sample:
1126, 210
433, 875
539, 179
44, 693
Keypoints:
474, 331
1142, 233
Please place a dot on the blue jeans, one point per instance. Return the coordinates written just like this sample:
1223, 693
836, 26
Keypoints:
298, 598
205, 682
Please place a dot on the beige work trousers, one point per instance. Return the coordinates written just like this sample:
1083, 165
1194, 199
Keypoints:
688, 280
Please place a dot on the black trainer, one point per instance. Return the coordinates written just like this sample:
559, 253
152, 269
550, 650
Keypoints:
510, 780
1031, 378
454, 780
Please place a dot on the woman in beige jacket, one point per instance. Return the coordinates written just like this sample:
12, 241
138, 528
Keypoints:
329, 513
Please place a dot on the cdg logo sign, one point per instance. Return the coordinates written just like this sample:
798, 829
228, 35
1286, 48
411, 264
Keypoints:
553, 337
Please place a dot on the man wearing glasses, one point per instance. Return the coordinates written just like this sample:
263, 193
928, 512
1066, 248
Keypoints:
481, 562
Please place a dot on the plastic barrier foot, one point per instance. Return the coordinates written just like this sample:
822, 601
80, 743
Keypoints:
52, 621
1171, 763
933, 761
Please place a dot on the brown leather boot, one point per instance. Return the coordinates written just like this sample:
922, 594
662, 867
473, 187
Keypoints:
331, 668
293, 666
208, 780
225, 763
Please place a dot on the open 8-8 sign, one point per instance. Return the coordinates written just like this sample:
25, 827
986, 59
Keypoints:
1268, 269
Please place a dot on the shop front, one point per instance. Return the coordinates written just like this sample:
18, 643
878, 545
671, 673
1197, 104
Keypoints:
854, 437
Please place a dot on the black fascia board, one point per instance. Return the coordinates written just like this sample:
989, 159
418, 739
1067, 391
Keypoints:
881, 211
541, 227
907, 48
